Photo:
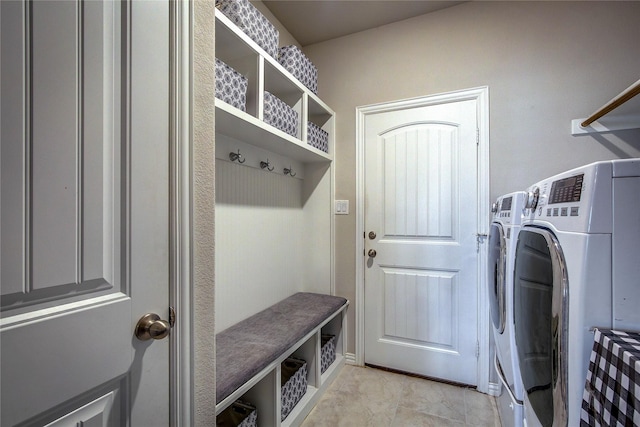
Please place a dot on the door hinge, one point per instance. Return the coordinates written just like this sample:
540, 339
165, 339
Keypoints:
477, 136
480, 240
477, 349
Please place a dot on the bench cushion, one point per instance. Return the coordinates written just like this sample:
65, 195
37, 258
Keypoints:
246, 348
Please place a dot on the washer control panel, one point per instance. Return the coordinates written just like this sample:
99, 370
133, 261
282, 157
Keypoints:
566, 190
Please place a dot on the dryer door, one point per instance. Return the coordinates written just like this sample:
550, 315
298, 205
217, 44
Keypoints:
496, 282
540, 319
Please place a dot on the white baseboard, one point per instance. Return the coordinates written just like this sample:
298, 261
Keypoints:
494, 389
350, 358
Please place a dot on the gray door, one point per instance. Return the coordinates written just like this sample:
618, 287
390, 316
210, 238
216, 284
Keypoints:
85, 211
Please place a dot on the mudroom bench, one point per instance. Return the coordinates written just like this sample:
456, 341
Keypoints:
250, 354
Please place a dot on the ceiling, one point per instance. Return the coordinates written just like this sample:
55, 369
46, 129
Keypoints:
315, 21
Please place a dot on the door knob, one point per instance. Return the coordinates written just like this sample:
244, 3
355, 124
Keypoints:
372, 253
372, 235
150, 326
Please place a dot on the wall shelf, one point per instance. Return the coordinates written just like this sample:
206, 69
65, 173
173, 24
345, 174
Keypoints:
627, 114
242, 126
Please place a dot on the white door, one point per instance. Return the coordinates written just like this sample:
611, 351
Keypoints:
85, 212
421, 270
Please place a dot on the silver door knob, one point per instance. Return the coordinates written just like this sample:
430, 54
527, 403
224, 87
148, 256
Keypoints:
150, 326
372, 253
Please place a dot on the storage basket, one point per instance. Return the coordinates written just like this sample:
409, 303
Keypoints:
293, 384
297, 63
327, 351
231, 86
239, 414
252, 23
318, 138
278, 114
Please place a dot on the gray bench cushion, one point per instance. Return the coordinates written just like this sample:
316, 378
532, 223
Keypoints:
246, 348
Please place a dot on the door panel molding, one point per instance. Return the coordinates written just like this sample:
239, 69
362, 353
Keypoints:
57, 263
481, 95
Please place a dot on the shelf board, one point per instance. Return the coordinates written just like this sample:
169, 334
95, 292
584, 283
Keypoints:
242, 126
605, 124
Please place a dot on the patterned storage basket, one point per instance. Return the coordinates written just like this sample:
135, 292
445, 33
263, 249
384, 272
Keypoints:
293, 384
239, 414
297, 63
318, 138
231, 86
327, 351
278, 114
252, 22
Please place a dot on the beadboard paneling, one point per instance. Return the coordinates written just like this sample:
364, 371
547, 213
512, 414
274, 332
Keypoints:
259, 240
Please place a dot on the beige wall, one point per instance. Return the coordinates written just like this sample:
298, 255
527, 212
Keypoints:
203, 209
285, 38
545, 63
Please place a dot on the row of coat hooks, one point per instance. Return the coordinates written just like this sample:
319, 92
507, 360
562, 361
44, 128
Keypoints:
237, 157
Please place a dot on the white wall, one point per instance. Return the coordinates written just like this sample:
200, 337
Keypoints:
545, 63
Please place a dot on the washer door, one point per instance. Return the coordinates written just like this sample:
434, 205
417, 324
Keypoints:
496, 282
540, 319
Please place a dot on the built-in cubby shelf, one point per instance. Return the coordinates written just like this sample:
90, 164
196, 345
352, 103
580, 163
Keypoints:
264, 73
275, 231
264, 389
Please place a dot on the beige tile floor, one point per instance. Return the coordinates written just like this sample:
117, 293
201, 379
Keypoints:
367, 397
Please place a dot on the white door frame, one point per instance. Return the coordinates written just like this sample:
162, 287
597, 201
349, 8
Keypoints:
180, 251
481, 95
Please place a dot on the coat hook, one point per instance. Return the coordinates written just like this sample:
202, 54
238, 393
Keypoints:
266, 165
237, 156
288, 171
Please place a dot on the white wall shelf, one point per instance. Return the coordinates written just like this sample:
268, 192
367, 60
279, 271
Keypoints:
627, 114
242, 126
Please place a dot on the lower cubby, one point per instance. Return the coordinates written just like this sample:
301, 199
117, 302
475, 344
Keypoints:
264, 390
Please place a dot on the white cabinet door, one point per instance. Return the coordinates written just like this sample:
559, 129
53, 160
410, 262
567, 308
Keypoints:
85, 211
421, 273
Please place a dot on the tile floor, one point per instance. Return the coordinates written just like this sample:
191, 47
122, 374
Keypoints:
367, 397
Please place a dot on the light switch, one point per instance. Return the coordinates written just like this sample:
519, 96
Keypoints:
341, 207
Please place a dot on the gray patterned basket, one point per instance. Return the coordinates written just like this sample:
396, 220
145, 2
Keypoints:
327, 351
231, 86
251, 22
279, 115
239, 414
297, 63
293, 384
318, 138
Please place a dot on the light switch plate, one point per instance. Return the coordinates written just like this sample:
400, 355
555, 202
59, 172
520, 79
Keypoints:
341, 207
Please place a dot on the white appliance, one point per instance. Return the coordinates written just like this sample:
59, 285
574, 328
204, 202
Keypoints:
576, 267
503, 234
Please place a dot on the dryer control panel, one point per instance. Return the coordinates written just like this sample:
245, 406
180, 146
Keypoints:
578, 200
566, 190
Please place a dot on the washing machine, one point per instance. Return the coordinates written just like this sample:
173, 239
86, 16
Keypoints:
506, 220
576, 268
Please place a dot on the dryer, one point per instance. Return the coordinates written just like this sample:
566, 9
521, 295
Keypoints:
576, 268
505, 225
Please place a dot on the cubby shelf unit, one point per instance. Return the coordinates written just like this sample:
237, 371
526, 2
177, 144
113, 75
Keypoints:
275, 234
264, 73
263, 390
